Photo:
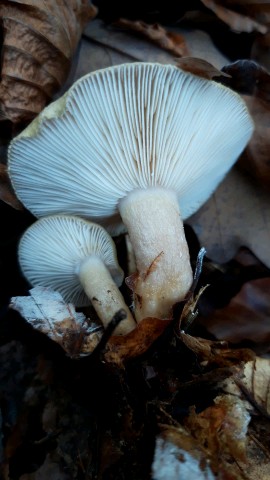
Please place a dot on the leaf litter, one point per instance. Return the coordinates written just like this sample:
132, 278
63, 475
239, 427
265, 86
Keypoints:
190, 401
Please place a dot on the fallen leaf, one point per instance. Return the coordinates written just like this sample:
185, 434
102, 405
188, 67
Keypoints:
221, 223
200, 67
172, 41
39, 41
246, 317
47, 312
251, 384
6, 192
255, 381
215, 353
121, 348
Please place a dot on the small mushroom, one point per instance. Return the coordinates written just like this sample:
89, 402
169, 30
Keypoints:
78, 259
148, 141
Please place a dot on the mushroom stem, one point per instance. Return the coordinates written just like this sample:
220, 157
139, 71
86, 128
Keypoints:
164, 276
104, 294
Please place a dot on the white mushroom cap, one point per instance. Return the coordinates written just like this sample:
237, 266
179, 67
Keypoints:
127, 127
53, 249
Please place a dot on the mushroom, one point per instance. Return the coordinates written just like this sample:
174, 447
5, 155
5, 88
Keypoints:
77, 258
148, 141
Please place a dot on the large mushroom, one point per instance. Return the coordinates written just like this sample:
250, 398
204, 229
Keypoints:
77, 258
148, 141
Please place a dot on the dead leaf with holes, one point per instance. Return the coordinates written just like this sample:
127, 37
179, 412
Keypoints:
39, 41
45, 310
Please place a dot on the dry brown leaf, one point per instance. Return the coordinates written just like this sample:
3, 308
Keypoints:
246, 317
39, 41
252, 384
172, 41
237, 214
241, 16
200, 67
6, 192
120, 348
255, 380
216, 353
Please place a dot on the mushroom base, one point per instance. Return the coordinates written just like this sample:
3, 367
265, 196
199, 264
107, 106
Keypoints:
164, 274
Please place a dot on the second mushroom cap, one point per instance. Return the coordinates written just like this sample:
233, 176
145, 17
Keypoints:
77, 258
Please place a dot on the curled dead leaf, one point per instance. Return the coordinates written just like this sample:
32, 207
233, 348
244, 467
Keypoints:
200, 67
121, 348
39, 40
216, 353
